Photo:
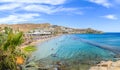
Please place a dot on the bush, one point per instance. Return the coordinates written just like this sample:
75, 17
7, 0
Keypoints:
30, 48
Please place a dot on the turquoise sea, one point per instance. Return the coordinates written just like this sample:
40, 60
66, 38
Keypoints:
79, 47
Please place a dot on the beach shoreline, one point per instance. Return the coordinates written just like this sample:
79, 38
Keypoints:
34, 43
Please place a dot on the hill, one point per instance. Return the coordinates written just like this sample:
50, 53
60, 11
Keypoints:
46, 26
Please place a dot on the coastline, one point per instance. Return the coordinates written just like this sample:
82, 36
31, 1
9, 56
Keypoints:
52, 37
107, 65
34, 43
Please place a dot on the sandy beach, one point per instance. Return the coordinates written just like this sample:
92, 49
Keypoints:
39, 41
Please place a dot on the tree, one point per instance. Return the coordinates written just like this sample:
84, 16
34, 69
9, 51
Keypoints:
9, 40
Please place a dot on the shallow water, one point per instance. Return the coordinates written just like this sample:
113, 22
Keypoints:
70, 47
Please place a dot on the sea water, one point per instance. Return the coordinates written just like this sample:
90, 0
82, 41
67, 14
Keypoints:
112, 39
71, 47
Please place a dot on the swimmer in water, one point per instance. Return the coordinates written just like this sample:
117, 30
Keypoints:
52, 49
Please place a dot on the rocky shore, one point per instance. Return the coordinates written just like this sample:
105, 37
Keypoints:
107, 65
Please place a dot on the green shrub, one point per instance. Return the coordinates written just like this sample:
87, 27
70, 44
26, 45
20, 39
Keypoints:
30, 48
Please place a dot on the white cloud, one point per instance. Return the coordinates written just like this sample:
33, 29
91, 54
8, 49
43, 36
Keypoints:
39, 8
10, 6
51, 2
110, 16
105, 3
18, 18
48, 9
20, 5
13, 4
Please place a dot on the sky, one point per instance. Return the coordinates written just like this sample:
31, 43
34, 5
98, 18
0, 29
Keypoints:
98, 14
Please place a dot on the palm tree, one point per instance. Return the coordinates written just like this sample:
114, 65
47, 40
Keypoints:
8, 48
